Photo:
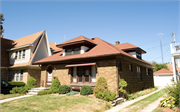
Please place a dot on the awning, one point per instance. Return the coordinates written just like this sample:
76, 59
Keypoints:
84, 64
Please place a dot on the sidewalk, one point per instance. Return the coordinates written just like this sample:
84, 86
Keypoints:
127, 103
152, 106
14, 98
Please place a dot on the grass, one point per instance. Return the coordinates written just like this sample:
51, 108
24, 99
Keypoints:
139, 105
5, 96
48, 103
157, 110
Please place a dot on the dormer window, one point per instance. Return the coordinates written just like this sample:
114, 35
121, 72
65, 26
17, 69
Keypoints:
19, 54
138, 55
16, 55
23, 56
72, 51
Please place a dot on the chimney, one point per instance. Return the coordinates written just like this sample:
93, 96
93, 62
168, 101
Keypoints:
117, 42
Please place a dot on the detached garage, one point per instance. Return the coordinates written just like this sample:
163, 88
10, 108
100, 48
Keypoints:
163, 77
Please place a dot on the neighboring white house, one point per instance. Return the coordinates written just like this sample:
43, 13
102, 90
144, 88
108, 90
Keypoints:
163, 77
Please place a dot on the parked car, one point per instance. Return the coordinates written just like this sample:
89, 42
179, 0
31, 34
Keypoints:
6, 87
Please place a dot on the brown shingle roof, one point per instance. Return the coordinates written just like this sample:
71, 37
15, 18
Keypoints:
27, 39
102, 48
53, 46
162, 71
127, 46
77, 39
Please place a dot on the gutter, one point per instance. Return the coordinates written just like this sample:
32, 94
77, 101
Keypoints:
27, 45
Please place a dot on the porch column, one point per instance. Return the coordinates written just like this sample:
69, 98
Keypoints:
174, 69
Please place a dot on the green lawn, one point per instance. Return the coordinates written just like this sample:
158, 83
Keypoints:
139, 105
157, 110
48, 103
2, 96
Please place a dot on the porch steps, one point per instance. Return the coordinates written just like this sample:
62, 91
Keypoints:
34, 91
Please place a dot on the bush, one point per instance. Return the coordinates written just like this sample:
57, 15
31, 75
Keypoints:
168, 102
55, 85
122, 86
72, 93
86, 90
43, 92
64, 89
101, 86
108, 95
17, 83
174, 91
31, 83
20, 90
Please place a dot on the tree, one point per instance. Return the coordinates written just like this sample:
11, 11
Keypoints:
1, 26
159, 66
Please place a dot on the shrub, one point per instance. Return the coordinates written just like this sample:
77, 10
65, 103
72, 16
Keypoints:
174, 91
17, 83
72, 93
86, 90
64, 89
43, 92
168, 102
20, 90
122, 86
55, 85
108, 95
101, 86
31, 83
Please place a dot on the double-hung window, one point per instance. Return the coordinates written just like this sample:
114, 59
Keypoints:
20, 54
84, 74
139, 75
23, 55
18, 75
130, 67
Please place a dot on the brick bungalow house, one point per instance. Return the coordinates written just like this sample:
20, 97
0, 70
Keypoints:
18, 55
81, 61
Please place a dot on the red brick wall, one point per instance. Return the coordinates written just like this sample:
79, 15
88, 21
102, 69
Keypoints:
5, 44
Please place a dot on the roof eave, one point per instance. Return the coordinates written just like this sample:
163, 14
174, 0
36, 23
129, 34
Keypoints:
27, 45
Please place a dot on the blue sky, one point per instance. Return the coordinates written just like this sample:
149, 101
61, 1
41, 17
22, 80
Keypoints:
136, 22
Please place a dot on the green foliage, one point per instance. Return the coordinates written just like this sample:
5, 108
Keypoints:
159, 66
17, 83
1, 26
72, 93
101, 86
20, 90
55, 85
86, 90
44, 92
122, 86
64, 89
174, 91
31, 83
168, 102
108, 95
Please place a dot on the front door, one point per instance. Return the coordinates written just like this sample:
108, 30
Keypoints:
49, 77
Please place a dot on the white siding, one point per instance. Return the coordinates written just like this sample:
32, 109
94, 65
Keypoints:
42, 51
132, 53
19, 61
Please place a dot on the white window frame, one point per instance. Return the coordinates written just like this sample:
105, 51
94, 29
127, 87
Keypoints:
23, 53
18, 75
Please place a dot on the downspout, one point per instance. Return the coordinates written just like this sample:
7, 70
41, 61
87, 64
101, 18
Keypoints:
117, 75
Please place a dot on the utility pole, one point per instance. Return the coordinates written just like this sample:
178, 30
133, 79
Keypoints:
161, 48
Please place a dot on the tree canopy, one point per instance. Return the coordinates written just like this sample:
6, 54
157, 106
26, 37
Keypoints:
159, 66
1, 26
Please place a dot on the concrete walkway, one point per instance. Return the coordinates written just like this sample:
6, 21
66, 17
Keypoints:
127, 103
14, 98
152, 106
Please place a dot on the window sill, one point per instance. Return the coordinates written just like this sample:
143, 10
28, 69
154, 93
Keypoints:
81, 84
